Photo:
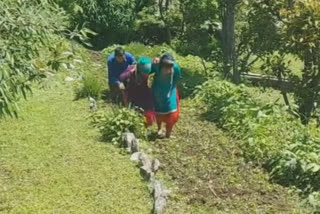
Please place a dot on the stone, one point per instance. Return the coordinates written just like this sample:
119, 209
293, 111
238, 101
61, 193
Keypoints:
146, 168
93, 104
135, 146
49, 74
129, 141
160, 195
155, 165
69, 79
135, 156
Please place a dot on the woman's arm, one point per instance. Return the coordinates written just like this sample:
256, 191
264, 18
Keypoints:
128, 72
177, 73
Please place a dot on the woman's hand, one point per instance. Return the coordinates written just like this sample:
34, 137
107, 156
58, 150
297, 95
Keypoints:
121, 86
133, 68
156, 60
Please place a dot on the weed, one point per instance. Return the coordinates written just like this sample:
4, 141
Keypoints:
90, 86
113, 124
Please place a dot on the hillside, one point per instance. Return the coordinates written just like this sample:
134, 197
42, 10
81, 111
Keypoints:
247, 140
52, 160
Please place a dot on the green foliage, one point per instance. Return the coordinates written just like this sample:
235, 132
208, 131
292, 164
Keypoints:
301, 37
200, 29
113, 124
258, 32
298, 164
235, 110
195, 72
90, 86
112, 20
313, 199
150, 28
139, 49
26, 28
276, 65
268, 134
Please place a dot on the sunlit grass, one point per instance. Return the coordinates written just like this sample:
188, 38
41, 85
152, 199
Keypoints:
51, 161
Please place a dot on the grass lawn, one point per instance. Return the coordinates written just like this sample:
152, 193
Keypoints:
294, 64
52, 161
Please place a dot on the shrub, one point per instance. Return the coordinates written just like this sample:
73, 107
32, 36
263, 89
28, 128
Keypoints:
151, 29
113, 124
90, 86
112, 20
138, 49
313, 200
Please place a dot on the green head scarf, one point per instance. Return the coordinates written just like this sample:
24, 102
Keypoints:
144, 65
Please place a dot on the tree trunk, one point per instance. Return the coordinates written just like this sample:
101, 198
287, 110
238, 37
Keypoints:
162, 15
228, 41
291, 4
284, 94
236, 72
308, 93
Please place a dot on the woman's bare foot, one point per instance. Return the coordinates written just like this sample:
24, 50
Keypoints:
160, 134
168, 134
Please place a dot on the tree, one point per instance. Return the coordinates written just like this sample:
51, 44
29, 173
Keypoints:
302, 37
26, 28
259, 33
200, 25
163, 6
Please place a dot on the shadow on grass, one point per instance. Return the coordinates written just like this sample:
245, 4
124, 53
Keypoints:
106, 96
210, 115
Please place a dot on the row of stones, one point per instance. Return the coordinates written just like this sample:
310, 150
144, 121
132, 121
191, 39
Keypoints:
148, 169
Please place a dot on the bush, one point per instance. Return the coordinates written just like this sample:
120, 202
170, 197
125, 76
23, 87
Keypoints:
150, 28
90, 86
138, 49
113, 124
112, 20
269, 134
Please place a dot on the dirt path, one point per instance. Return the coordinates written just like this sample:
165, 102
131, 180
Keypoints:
210, 176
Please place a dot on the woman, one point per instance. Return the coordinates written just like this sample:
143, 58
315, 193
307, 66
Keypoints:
139, 94
165, 93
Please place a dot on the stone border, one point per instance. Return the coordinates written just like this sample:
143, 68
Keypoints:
148, 169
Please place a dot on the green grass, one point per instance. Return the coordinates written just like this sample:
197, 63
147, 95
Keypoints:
295, 65
91, 87
52, 161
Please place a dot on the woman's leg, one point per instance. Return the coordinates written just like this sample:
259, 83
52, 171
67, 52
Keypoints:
159, 124
160, 120
173, 118
150, 117
169, 128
